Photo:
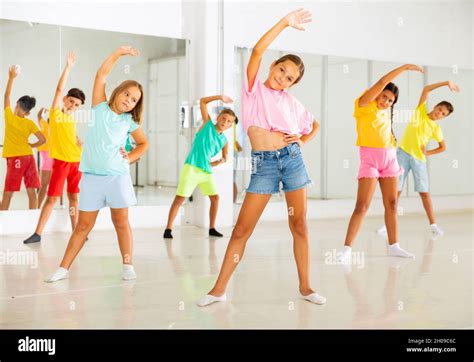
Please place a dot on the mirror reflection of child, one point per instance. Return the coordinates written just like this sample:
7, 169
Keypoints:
65, 150
17, 150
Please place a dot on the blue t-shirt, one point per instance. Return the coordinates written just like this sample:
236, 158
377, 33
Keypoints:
106, 134
207, 143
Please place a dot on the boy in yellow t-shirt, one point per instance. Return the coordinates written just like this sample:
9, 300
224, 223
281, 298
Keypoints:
65, 149
17, 150
412, 152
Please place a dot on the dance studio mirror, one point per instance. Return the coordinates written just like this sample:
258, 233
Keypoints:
329, 88
41, 51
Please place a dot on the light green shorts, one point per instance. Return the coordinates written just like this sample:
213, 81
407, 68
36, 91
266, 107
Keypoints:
190, 177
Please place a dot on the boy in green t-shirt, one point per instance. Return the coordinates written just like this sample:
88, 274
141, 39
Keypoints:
197, 170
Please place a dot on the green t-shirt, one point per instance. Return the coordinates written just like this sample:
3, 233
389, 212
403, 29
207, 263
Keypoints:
207, 143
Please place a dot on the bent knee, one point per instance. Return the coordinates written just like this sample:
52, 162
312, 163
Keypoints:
299, 227
241, 231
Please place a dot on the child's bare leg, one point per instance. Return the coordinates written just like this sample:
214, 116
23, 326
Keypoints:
73, 212
124, 236
32, 198
76, 242
177, 202
7, 197
124, 233
45, 213
428, 205
213, 210
45, 178
296, 204
252, 209
388, 186
365, 193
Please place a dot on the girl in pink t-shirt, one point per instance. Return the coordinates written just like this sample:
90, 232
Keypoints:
278, 126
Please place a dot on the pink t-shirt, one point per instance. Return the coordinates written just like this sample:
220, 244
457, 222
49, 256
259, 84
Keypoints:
273, 110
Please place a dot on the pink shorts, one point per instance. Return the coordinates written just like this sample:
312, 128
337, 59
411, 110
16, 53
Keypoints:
378, 162
46, 163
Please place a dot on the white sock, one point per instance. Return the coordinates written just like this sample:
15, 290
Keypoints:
396, 250
344, 256
128, 273
435, 229
209, 299
382, 230
314, 298
59, 274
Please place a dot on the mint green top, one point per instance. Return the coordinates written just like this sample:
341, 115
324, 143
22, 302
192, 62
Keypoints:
207, 143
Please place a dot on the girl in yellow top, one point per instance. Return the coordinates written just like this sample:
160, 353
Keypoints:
378, 159
411, 153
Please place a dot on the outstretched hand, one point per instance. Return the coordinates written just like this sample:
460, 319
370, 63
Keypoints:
227, 99
297, 18
453, 87
128, 50
71, 59
13, 71
40, 113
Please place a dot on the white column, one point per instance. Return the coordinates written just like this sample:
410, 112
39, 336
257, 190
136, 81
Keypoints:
201, 27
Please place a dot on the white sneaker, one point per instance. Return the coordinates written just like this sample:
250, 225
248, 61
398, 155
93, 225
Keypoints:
210, 299
436, 230
382, 231
344, 258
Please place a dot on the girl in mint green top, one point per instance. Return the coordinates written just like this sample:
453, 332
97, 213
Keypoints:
105, 163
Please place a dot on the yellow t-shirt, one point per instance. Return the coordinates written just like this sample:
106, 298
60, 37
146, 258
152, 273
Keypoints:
62, 137
17, 132
45, 131
373, 126
419, 131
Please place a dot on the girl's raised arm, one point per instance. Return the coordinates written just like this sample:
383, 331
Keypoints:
378, 87
98, 93
295, 19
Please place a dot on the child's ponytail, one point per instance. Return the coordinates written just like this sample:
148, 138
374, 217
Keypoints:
394, 89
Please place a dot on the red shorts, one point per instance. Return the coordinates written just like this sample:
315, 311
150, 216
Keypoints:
18, 168
61, 171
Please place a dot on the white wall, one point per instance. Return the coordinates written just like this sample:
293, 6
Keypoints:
161, 18
426, 32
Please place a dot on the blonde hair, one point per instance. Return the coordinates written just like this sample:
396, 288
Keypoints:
137, 111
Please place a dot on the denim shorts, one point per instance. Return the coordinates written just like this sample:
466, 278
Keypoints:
284, 167
419, 169
100, 191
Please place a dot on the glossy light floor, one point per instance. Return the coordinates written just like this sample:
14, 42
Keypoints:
433, 291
